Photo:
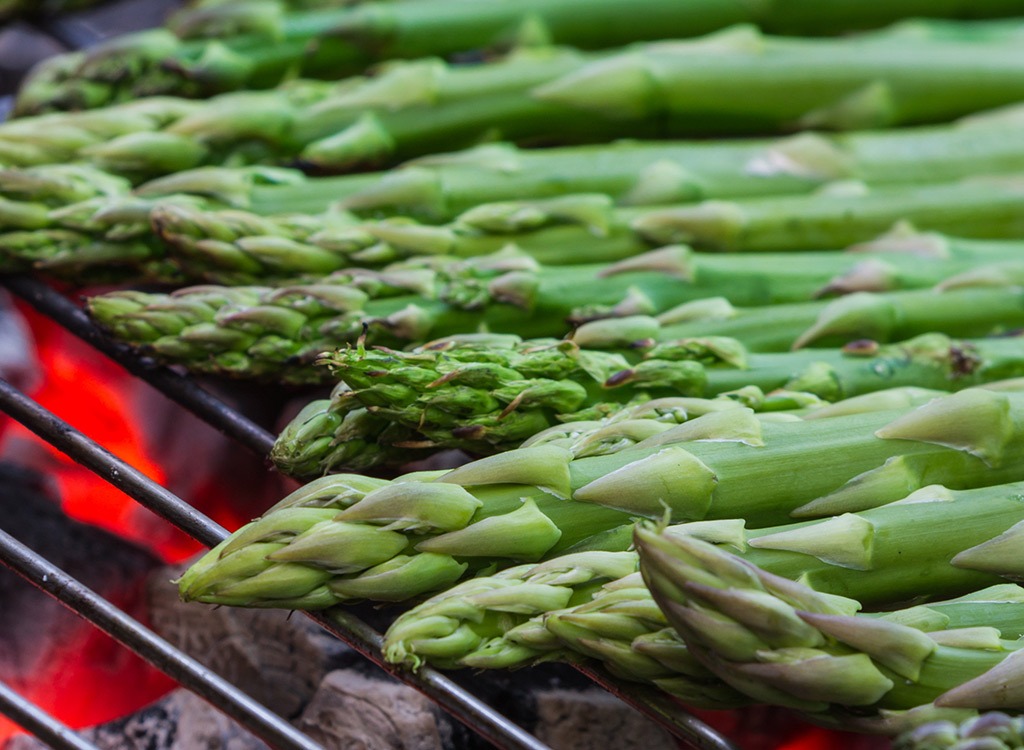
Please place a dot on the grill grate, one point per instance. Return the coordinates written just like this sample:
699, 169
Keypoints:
348, 627
80, 31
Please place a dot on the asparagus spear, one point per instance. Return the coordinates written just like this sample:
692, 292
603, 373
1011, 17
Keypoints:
257, 44
486, 399
349, 536
227, 245
279, 331
884, 555
439, 187
341, 434
201, 59
901, 76
553, 230
991, 730
783, 642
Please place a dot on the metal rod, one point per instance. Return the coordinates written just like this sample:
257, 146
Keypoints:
177, 387
353, 631
29, 716
98, 459
86, 603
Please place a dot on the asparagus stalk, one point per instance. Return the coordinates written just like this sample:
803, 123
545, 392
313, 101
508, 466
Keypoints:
903, 76
440, 187
341, 434
279, 331
811, 652
349, 536
483, 398
884, 555
991, 730
256, 44
342, 41
225, 244
979, 306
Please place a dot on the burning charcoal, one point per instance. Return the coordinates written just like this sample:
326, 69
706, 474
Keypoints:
180, 721
42, 644
352, 710
277, 659
587, 719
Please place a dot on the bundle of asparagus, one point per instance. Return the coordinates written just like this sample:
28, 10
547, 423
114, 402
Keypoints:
230, 246
785, 643
673, 398
279, 331
879, 556
349, 536
225, 46
110, 224
916, 74
441, 186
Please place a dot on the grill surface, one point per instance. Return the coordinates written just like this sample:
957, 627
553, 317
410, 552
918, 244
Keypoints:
20, 46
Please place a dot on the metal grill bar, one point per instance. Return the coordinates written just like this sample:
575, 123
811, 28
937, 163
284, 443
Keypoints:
42, 725
102, 462
89, 605
463, 705
178, 388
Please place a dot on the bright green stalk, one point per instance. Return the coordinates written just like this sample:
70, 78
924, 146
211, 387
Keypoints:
636, 173
784, 642
975, 307
348, 536
905, 75
974, 208
488, 395
257, 44
904, 555
267, 332
412, 108
992, 730
340, 434
558, 230
440, 187
227, 246
279, 331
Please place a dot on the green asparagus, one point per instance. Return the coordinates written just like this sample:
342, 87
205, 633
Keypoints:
906, 75
226, 244
904, 554
992, 730
265, 332
441, 186
350, 536
489, 396
785, 643
257, 44
342, 41
340, 434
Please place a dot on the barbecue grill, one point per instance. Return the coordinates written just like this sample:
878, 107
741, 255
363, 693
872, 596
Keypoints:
34, 39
